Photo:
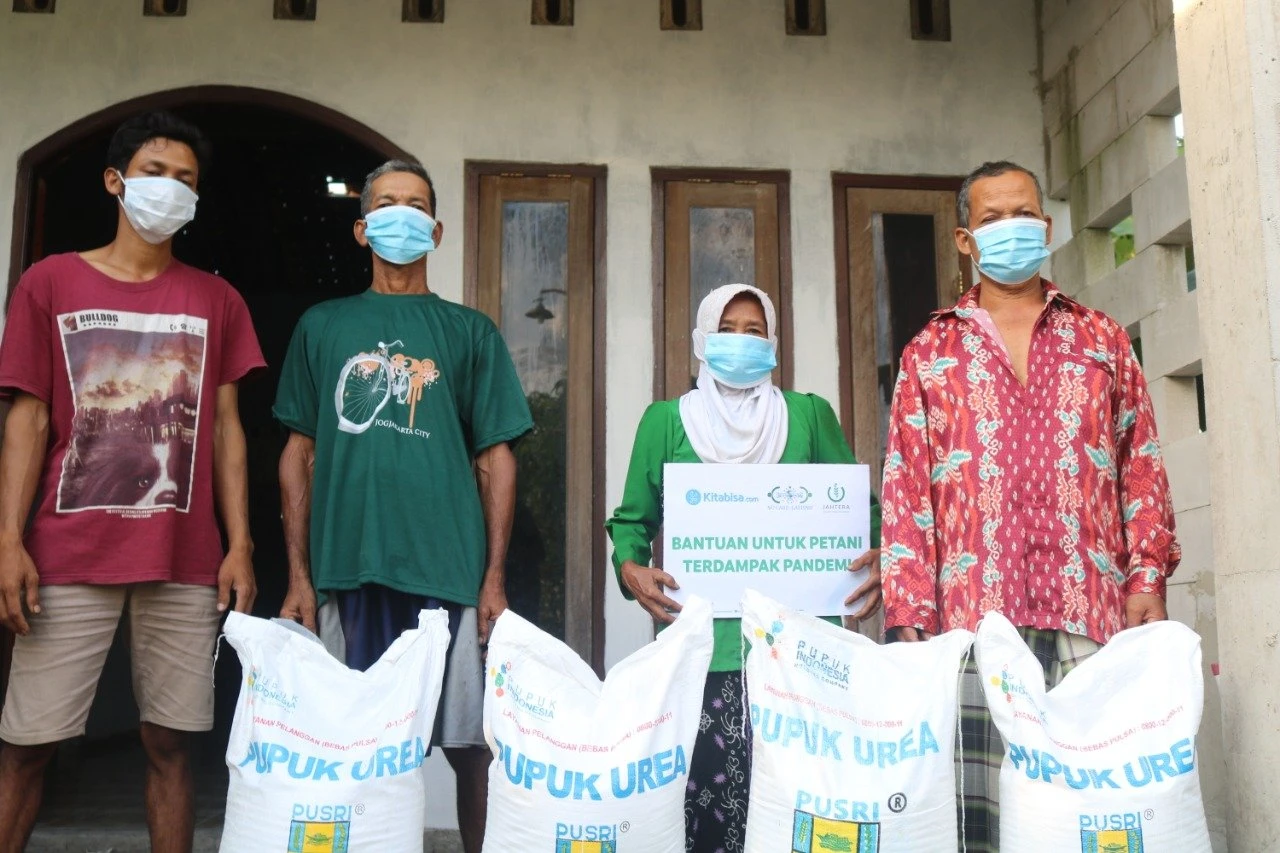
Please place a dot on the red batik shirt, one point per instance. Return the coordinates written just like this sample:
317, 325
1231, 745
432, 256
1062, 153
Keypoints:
1049, 502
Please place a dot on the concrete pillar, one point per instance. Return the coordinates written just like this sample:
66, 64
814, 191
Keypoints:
1229, 79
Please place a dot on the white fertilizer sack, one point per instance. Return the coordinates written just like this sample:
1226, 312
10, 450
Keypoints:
853, 742
326, 759
1106, 761
582, 766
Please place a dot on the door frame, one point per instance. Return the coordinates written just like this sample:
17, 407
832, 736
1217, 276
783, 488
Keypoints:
473, 171
27, 195
660, 176
840, 182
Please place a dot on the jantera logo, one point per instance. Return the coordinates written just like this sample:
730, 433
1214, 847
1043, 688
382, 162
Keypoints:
836, 493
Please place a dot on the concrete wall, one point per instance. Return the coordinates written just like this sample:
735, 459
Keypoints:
613, 89
1111, 89
1229, 53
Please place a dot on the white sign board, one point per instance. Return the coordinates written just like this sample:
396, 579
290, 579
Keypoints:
787, 531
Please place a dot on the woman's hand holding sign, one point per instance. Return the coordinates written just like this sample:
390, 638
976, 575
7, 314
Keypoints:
647, 585
870, 587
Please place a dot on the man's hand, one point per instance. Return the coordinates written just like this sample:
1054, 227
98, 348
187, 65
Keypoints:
870, 587
906, 634
1143, 607
493, 601
646, 585
19, 586
300, 604
236, 575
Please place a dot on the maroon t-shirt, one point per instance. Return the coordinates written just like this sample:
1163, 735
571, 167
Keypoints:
131, 374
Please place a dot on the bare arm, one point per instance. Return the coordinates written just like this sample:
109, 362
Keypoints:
496, 478
231, 491
26, 438
297, 471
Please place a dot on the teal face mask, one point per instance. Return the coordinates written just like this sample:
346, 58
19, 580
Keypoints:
1012, 251
739, 361
400, 234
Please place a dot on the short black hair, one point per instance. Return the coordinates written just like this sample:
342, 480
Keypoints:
141, 129
413, 167
991, 169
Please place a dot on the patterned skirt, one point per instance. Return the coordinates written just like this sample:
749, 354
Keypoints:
715, 800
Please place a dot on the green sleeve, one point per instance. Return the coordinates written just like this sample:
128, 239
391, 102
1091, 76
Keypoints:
297, 403
635, 522
499, 411
832, 447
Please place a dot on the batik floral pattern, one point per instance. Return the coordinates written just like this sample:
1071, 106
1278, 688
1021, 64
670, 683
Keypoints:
1047, 501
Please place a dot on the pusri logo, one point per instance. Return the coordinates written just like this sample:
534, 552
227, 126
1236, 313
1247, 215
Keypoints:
1113, 833
693, 497
813, 834
770, 637
588, 838
836, 493
313, 836
790, 495
268, 689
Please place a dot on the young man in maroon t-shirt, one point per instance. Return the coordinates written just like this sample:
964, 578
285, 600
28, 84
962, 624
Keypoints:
122, 364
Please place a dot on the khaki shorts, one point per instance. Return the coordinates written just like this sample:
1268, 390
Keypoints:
171, 632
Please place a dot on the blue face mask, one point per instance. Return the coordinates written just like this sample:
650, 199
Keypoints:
400, 234
739, 361
1012, 251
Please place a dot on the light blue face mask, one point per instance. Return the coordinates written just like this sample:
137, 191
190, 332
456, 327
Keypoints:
400, 234
739, 361
1012, 251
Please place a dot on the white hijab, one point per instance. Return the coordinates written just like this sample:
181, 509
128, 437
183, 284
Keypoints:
731, 425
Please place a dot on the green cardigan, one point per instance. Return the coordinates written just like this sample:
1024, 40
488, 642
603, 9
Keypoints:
813, 435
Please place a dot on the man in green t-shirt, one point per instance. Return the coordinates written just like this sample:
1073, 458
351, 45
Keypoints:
398, 479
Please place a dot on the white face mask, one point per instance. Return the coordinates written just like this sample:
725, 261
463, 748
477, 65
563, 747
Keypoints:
157, 207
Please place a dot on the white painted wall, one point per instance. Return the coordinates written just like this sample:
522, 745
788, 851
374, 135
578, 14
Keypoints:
613, 89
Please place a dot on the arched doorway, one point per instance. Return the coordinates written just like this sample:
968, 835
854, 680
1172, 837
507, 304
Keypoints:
274, 219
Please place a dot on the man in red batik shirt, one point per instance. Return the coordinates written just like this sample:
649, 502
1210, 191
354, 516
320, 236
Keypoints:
122, 363
1023, 472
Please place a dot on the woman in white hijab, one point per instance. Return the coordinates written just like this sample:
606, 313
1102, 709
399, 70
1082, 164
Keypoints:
735, 415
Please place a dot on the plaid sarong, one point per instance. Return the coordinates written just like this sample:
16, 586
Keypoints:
981, 749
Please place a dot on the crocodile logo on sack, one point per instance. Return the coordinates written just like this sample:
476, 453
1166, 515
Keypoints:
318, 836
813, 834
1111, 841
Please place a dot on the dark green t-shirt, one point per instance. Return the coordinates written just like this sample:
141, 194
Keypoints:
400, 393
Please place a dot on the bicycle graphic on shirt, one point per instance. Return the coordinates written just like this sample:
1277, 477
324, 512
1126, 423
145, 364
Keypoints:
369, 379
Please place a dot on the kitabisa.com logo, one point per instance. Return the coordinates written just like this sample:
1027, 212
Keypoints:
694, 497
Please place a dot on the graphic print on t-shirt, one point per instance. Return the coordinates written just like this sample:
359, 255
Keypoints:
135, 387
368, 382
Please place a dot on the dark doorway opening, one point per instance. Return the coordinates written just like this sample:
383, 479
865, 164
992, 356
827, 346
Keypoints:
276, 207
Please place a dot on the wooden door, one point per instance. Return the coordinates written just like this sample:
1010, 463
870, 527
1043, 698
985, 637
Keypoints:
902, 264
717, 232
535, 259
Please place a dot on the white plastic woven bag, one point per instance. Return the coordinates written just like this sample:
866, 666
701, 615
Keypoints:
326, 759
1106, 761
